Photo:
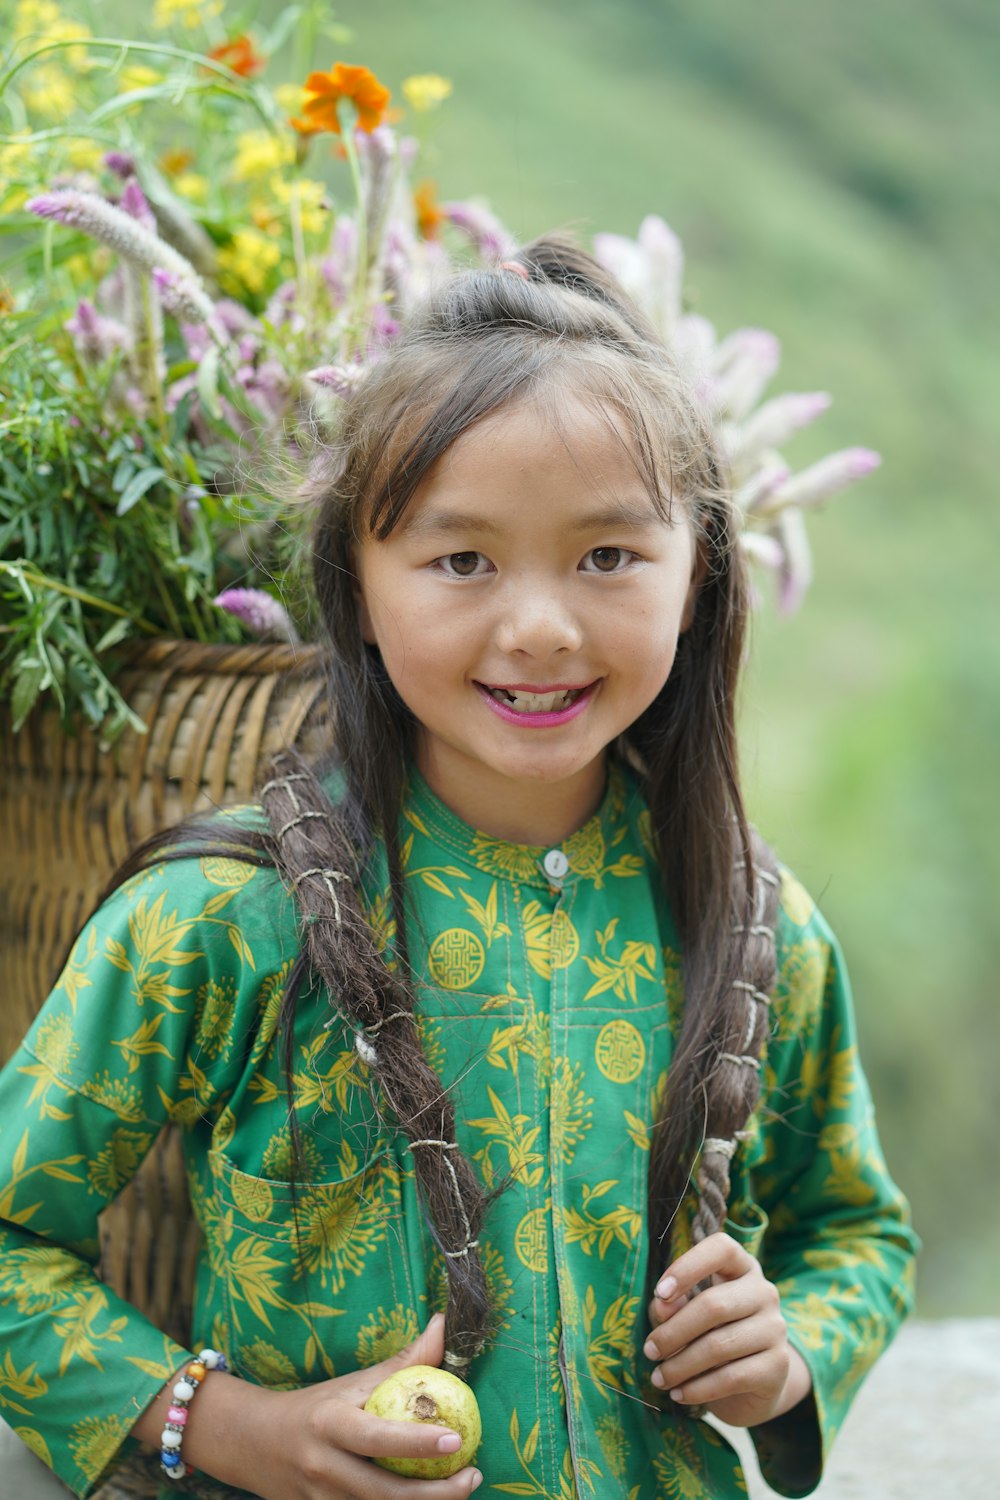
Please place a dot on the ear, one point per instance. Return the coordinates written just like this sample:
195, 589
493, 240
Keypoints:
699, 572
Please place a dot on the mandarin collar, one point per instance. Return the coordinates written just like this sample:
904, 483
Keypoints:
522, 864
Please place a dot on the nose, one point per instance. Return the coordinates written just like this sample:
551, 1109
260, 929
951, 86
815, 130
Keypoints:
537, 620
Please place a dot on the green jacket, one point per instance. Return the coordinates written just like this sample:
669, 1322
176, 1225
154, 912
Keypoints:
549, 1010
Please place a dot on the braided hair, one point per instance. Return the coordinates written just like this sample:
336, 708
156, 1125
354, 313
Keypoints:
485, 341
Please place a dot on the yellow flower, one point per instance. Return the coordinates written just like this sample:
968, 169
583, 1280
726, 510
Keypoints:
83, 155
426, 91
189, 13
249, 260
258, 153
312, 201
49, 91
290, 97
35, 17
137, 76
192, 186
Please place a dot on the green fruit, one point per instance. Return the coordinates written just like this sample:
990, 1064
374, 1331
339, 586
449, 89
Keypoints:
421, 1393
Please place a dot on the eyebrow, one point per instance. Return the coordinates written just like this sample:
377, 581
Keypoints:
453, 522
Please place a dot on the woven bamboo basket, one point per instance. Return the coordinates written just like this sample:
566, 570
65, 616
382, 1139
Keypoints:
69, 814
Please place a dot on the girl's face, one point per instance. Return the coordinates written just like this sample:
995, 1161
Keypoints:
527, 609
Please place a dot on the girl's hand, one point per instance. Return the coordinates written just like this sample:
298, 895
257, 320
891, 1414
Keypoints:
322, 1439
725, 1348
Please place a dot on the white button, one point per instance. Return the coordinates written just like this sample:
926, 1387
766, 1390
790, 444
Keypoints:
555, 864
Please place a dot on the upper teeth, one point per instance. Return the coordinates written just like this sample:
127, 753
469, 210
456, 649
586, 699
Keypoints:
535, 703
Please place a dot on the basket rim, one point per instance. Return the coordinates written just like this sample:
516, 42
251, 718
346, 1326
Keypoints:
258, 659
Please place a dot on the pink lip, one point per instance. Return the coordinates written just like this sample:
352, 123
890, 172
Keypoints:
537, 721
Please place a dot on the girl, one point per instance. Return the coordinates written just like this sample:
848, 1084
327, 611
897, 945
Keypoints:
507, 1013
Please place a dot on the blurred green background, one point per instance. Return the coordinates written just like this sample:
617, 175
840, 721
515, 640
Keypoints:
831, 169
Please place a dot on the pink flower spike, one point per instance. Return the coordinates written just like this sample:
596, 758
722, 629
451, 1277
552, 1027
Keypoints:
775, 422
753, 496
121, 163
338, 378
795, 574
763, 549
822, 480
133, 201
262, 615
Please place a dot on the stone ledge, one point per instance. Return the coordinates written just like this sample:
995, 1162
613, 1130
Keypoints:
925, 1426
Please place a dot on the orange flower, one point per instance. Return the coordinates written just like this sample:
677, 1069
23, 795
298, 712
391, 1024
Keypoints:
239, 56
324, 91
176, 161
429, 214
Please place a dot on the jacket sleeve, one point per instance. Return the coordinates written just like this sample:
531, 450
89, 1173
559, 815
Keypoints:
837, 1241
141, 1028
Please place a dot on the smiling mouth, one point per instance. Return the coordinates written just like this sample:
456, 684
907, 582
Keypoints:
535, 703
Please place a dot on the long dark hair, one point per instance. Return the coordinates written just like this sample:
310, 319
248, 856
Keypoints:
485, 341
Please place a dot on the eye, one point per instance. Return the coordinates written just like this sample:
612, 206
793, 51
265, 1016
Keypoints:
463, 564
607, 560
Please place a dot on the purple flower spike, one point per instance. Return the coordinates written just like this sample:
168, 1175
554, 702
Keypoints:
821, 480
121, 163
775, 422
133, 201
262, 615
95, 336
341, 379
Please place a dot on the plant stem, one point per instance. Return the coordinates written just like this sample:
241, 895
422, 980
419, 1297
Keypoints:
361, 274
42, 580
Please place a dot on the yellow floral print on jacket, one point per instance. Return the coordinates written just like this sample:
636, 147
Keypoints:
549, 1010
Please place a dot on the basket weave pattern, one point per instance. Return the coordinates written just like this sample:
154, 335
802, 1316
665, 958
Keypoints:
69, 814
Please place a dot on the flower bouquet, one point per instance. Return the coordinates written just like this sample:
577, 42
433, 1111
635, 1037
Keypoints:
201, 262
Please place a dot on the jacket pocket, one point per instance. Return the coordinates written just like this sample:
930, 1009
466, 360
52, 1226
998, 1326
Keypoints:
295, 1271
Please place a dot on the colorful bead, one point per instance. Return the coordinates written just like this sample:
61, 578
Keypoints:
171, 1463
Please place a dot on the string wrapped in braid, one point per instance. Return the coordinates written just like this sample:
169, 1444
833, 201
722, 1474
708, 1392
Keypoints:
732, 1086
317, 860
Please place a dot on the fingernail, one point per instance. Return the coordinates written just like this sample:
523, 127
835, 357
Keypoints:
657, 1378
477, 1480
677, 1394
666, 1287
649, 1349
450, 1443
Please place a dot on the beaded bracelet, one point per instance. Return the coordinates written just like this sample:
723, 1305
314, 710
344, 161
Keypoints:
183, 1394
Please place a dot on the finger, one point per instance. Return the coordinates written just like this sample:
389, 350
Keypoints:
659, 1310
717, 1255
365, 1481
378, 1437
754, 1376
729, 1344
717, 1306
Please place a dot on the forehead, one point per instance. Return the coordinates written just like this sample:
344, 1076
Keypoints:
556, 443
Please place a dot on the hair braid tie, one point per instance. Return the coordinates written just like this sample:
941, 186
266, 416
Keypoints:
316, 858
732, 1092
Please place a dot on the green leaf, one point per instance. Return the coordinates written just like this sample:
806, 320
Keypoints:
26, 690
207, 383
137, 487
115, 633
